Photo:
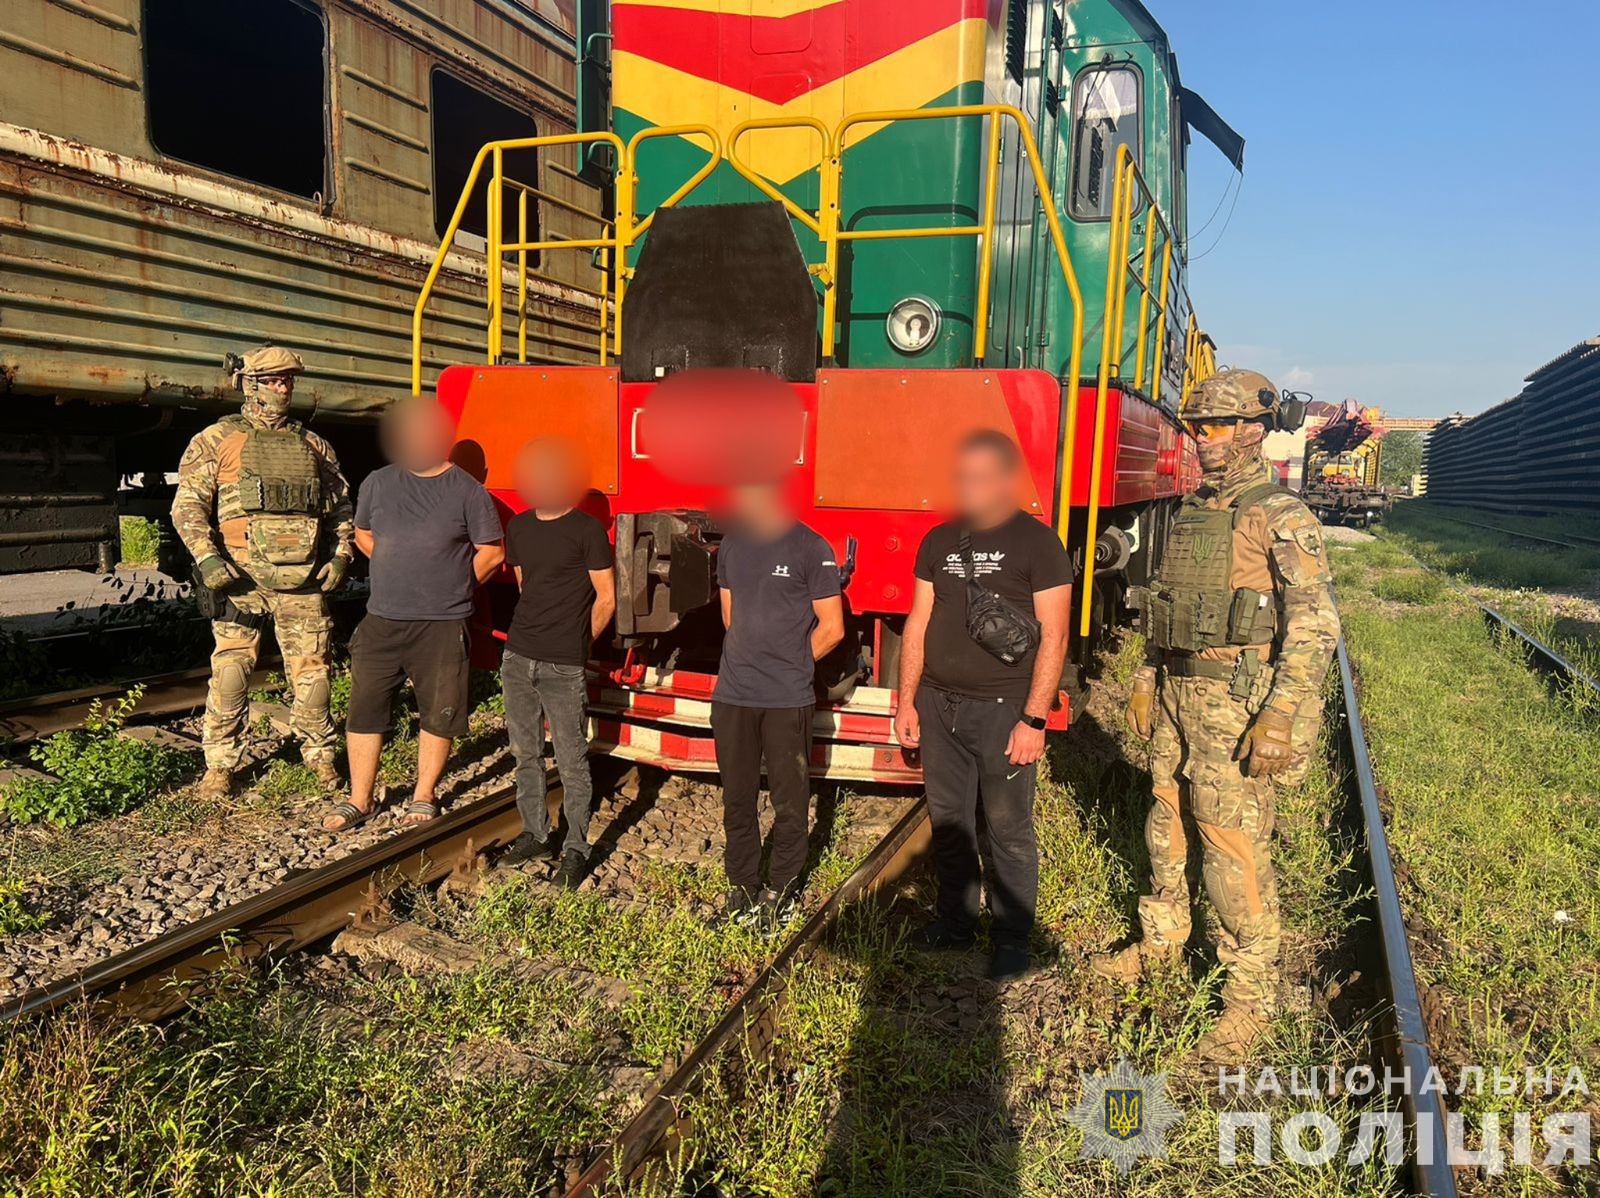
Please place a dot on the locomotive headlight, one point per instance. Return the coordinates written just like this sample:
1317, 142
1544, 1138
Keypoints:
913, 324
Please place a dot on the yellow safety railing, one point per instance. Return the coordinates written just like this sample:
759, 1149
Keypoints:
1131, 197
1199, 359
616, 237
1148, 270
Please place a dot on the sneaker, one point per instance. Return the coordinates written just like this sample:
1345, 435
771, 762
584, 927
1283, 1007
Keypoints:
771, 908
940, 936
736, 905
574, 865
1008, 962
526, 847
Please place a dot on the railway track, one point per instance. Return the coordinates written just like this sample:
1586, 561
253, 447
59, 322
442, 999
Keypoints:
1572, 541
1547, 659
1430, 1172
157, 979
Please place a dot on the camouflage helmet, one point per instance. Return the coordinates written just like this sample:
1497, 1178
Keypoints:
1233, 394
271, 360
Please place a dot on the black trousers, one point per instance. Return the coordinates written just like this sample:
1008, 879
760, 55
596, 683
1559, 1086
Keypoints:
963, 761
782, 735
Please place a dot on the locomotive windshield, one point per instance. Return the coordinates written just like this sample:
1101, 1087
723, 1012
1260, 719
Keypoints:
1105, 117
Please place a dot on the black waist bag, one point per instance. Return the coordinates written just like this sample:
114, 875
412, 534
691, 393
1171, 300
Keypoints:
998, 628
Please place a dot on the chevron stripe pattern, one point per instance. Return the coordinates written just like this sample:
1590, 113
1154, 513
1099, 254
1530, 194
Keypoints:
720, 62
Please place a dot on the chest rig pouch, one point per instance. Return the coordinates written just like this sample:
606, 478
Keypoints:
280, 495
1191, 604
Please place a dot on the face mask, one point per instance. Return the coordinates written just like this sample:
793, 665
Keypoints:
264, 405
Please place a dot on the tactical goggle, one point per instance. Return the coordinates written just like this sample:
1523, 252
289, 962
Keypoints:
278, 382
1203, 428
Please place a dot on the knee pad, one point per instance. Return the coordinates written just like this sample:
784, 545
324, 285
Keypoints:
1230, 870
232, 682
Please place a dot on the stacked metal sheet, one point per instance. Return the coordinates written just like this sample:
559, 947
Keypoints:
1537, 453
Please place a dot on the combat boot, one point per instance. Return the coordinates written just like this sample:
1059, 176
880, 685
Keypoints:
1128, 965
1230, 1039
217, 784
327, 775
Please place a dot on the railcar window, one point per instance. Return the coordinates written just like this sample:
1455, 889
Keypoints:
464, 121
240, 89
1105, 116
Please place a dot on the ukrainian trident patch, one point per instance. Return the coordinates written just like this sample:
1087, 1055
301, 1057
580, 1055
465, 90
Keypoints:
1124, 1113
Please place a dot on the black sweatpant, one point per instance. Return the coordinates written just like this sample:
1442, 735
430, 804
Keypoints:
744, 735
964, 759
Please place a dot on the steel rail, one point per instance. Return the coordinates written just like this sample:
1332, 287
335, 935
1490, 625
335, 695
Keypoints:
661, 1124
1547, 658
157, 978
1430, 1163
23, 720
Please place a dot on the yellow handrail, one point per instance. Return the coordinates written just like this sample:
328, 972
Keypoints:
494, 232
1130, 195
612, 245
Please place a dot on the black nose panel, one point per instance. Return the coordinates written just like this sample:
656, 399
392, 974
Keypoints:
720, 285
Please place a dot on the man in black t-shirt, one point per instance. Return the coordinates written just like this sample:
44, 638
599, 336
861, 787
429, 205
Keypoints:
564, 567
780, 602
978, 722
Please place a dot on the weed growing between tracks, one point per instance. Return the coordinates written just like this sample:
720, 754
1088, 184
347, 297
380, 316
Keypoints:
899, 1072
1494, 791
498, 1080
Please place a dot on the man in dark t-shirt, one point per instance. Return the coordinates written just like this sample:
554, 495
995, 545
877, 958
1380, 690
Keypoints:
564, 567
781, 606
433, 536
978, 721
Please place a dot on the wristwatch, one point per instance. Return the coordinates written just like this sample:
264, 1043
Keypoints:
1037, 722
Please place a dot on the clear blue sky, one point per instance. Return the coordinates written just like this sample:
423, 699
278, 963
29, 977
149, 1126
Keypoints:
1419, 224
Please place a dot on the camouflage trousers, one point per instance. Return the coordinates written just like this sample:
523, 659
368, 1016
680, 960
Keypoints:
1197, 726
303, 628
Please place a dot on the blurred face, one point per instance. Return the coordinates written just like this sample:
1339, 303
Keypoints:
985, 485
551, 475
418, 434
758, 507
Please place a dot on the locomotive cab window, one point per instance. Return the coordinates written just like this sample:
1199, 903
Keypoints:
464, 121
1106, 116
240, 89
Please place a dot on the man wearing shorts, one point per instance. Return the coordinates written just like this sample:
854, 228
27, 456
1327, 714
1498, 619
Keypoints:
433, 535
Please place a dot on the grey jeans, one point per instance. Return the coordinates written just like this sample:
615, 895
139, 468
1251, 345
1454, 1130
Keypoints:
536, 691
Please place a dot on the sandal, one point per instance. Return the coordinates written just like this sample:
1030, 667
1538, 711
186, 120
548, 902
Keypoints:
352, 816
419, 811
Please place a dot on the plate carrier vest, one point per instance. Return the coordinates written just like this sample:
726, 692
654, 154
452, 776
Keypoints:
279, 494
1191, 605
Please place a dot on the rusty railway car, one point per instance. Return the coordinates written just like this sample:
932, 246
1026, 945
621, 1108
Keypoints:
185, 179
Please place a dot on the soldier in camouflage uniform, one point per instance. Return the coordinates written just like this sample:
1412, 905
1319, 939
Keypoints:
1240, 626
265, 512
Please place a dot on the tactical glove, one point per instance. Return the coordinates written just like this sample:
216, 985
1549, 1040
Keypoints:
1267, 743
1142, 705
331, 576
217, 573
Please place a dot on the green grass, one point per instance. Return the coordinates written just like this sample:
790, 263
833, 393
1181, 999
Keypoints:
880, 1083
141, 541
271, 1088
1479, 555
1494, 785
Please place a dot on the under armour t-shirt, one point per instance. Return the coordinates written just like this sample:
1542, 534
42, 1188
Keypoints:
423, 532
1013, 560
766, 655
551, 622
